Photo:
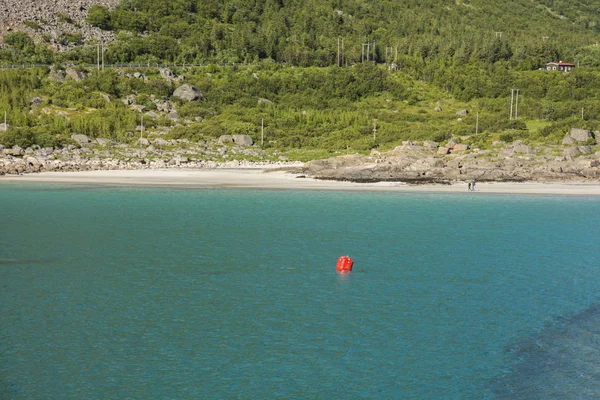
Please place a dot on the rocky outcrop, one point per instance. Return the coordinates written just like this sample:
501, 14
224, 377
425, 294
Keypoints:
426, 164
49, 17
103, 154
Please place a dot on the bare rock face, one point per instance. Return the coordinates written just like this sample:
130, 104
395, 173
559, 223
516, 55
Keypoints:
188, 93
581, 135
50, 16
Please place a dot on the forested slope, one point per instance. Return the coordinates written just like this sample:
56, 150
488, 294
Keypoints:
450, 54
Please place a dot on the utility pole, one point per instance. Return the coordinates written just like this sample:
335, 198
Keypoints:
512, 101
374, 129
262, 132
5, 115
517, 106
102, 56
477, 123
98, 56
338, 53
343, 53
142, 131
512, 94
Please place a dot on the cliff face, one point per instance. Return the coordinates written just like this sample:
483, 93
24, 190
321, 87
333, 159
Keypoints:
47, 17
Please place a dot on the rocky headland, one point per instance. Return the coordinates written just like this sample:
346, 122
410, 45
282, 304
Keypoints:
577, 159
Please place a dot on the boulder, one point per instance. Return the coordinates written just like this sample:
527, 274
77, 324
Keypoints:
460, 147
36, 101
4, 127
160, 142
443, 150
138, 107
586, 149
568, 140
571, 152
74, 74
81, 139
152, 114
188, 93
14, 151
462, 112
523, 148
266, 101
174, 116
143, 142
243, 140
103, 142
225, 139
581, 135
437, 108
429, 144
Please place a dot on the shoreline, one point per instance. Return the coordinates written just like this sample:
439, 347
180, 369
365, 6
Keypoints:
262, 178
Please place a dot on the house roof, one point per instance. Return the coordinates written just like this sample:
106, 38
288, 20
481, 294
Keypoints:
564, 64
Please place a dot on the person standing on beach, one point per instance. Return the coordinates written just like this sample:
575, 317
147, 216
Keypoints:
469, 186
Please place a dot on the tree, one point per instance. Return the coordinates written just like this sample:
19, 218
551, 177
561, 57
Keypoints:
99, 16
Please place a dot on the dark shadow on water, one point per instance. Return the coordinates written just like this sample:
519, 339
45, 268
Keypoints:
560, 362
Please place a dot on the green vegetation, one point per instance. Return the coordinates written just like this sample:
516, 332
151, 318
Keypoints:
452, 55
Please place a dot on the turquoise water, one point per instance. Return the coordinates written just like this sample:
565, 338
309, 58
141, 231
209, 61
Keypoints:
188, 294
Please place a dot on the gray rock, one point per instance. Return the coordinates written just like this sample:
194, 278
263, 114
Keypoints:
243, 140
266, 101
174, 116
160, 142
4, 127
36, 101
152, 114
103, 142
429, 144
462, 112
571, 152
523, 148
443, 150
225, 139
74, 74
143, 142
81, 139
568, 140
581, 135
460, 147
188, 93
138, 108
586, 149
437, 108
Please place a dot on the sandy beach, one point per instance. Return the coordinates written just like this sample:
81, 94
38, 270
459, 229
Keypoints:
265, 179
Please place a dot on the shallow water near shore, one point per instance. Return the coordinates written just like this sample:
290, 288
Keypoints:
208, 293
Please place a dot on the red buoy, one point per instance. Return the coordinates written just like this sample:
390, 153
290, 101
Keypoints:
344, 264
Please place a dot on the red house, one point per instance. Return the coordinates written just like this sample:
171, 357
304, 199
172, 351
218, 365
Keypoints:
559, 66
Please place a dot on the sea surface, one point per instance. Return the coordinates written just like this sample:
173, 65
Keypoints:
157, 293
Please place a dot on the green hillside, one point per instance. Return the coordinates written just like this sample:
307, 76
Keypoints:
450, 54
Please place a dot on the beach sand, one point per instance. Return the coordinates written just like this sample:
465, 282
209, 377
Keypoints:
265, 179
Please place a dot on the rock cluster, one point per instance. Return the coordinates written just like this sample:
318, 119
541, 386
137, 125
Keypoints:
422, 163
49, 16
151, 152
